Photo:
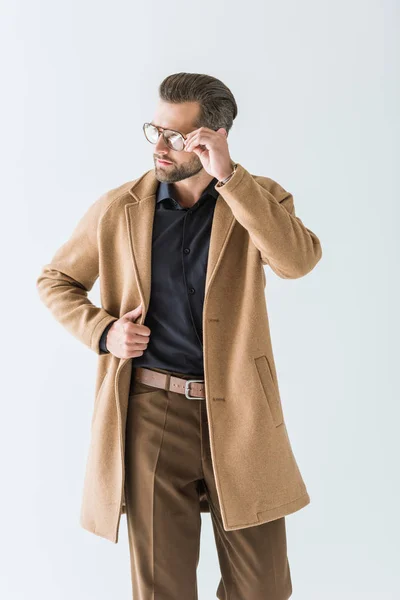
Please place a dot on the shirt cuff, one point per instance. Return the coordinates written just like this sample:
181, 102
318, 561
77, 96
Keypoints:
102, 344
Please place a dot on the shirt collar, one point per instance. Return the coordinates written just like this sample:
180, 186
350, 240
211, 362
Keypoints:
166, 190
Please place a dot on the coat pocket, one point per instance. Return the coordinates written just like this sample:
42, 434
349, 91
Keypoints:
96, 402
270, 389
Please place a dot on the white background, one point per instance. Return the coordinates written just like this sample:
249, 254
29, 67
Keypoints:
317, 89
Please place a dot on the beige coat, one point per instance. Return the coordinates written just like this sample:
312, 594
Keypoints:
254, 224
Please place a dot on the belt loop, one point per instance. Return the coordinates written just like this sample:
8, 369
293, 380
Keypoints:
168, 381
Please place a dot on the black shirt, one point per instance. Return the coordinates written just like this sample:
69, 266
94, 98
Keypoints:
180, 244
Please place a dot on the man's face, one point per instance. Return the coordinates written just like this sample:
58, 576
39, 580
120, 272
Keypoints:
182, 165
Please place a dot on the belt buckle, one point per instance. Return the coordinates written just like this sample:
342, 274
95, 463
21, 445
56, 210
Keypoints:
187, 382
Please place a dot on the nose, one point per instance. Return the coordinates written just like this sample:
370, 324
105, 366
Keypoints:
160, 146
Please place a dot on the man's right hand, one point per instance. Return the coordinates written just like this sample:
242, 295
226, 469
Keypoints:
126, 339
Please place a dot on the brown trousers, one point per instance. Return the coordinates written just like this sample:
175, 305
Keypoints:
167, 455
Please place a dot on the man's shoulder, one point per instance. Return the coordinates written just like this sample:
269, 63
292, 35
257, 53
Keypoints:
120, 191
113, 195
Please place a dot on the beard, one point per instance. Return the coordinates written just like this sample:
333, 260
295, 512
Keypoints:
172, 173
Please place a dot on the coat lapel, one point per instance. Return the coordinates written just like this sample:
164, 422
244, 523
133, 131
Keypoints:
139, 222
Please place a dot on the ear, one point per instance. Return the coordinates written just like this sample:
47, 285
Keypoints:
222, 131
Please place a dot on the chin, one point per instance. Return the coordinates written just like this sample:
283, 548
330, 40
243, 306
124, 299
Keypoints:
161, 176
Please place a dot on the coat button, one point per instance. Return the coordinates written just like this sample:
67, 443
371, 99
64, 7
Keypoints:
186, 250
191, 290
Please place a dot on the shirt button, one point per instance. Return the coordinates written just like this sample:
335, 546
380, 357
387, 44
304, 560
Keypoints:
191, 290
186, 250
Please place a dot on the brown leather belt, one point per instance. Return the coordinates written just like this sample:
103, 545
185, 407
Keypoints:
194, 389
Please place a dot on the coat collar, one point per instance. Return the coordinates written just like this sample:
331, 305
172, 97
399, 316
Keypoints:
139, 222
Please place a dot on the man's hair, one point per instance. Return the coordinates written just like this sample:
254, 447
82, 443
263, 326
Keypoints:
218, 107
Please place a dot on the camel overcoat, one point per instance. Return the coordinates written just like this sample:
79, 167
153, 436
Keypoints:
254, 224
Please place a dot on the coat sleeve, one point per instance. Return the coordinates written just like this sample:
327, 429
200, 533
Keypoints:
267, 211
64, 282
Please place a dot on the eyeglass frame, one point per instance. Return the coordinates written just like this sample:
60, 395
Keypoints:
184, 136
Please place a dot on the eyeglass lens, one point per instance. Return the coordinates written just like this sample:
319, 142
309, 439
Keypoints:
173, 139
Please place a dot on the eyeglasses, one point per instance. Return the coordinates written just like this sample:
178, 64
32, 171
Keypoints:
173, 139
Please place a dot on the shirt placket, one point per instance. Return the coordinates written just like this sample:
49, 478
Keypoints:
187, 260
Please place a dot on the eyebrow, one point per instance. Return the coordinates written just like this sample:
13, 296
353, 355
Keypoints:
170, 128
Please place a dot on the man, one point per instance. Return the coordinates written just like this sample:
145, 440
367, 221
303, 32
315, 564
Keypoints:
187, 415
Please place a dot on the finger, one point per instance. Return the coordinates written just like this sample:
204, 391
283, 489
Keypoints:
142, 330
134, 328
200, 139
192, 133
136, 339
200, 131
133, 346
133, 343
